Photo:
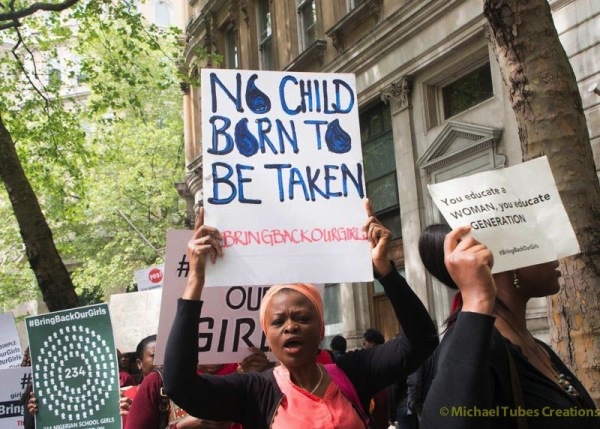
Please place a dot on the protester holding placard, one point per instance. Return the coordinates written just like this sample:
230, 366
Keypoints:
490, 372
299, 392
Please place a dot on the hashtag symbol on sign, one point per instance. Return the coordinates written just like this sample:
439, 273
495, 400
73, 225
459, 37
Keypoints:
184, 267
25, 380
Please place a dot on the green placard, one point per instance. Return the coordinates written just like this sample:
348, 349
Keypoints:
75, 369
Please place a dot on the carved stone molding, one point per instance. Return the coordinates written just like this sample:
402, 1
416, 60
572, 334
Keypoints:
363, 11
462, 147
194, 176
233, 17
314, 53
398, 94
244, 7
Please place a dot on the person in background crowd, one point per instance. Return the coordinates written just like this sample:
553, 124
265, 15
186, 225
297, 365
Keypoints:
378, 407
371, 338
488, 359
298, 393
125, 378
337, 346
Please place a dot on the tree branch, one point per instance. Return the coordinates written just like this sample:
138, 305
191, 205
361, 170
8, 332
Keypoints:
24, 70
52, 7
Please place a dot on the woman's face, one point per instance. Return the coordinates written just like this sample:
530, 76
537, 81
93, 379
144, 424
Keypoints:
146, 364
293, 328
123, 361
540, 280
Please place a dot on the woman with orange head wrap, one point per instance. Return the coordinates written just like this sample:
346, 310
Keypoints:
299, 392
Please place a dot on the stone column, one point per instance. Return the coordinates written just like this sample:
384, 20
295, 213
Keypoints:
398, 94
356, 317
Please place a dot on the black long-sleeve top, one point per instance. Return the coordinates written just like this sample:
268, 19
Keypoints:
252, 398
472, 375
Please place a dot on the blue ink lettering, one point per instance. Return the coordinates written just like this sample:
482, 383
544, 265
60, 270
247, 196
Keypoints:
241, 180
312, 184
292, 139
300, 107
214, 149
237, 99
225, 179
357, 180
314, 96
279, 168
338, 105
328, 177
296, 179
317, 125
262, 135
327, 187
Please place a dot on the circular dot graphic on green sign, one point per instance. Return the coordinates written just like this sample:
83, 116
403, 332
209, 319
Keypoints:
76, 374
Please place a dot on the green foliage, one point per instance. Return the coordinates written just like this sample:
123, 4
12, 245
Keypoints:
104, 143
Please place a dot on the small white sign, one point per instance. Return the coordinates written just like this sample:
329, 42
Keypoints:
150, 278
516, 212
10, 345
14, 383
134, 317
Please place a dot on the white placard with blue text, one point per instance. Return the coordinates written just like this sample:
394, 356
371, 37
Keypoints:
283, 177
516, 212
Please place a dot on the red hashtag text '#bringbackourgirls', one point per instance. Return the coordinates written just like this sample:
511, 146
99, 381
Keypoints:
276, 237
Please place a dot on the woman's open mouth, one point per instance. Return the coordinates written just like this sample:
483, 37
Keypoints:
292, 345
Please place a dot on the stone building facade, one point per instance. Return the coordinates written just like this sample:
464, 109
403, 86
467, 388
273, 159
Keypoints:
432, 107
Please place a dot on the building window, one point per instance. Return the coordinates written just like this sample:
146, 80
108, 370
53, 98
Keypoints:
162, 14
351, 4
380, 166
264, 35
467, 91
231, 49
307, 19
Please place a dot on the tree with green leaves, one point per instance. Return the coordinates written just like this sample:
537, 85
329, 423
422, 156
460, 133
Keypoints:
90, 144
550, 118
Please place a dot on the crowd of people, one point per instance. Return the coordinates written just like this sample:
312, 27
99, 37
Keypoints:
488, 371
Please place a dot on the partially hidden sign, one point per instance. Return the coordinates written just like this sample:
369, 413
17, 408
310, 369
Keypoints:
229, 323
283, 177
14, 383
150, 278
74, 368
10, 345
516, 212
